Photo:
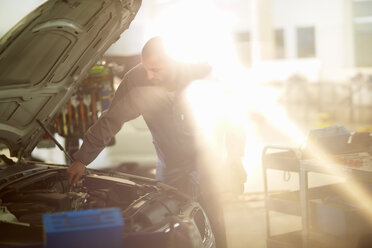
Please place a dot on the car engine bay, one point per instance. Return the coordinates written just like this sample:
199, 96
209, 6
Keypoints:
144, 206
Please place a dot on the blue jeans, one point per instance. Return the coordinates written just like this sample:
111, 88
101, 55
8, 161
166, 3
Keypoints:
186, 182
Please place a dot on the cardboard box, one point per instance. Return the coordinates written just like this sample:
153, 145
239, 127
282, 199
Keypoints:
339, 218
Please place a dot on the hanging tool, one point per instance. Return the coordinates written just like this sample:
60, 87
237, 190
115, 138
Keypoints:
99, 104
82, 114
94, 107
87, 100
58, 124
75, 105
70, 121
64, 122
106, 96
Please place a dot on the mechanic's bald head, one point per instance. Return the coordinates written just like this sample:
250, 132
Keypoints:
157, 62
155, 47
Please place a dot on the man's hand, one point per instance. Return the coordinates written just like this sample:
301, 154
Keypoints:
75, 172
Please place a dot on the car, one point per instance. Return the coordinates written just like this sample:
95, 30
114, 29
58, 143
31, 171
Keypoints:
28, 190
43, 60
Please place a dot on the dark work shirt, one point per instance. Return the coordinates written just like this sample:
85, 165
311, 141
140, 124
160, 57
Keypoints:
163, 110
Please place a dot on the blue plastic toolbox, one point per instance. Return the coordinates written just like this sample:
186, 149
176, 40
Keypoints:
93, 228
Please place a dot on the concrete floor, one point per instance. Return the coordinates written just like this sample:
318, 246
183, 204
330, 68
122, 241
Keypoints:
246, 222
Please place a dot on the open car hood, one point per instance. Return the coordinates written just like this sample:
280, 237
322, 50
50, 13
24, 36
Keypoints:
44, 58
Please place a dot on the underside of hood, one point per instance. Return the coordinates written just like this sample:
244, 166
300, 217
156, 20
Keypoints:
45, 57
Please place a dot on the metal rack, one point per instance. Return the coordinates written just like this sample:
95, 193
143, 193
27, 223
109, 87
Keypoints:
297, 202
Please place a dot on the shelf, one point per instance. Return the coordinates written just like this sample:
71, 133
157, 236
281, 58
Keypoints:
286, 240
285, 160
363, 173
316, 240
288, 159
289, 202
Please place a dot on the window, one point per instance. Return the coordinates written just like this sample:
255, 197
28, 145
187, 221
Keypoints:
362, 33
306, 42
279, 43
243, 47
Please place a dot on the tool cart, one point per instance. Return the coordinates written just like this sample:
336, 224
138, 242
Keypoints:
333, 215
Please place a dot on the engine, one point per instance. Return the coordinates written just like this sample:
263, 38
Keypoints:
29, 201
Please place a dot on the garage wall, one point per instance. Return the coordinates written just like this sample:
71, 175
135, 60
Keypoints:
13, 11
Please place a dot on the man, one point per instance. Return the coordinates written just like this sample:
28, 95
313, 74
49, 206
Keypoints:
155, 89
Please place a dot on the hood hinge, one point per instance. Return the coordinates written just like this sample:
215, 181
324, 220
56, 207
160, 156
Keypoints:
54, 140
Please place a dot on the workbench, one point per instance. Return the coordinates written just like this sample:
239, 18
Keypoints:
308, 202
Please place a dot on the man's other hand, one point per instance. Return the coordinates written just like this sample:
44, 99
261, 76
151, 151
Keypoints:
75, 172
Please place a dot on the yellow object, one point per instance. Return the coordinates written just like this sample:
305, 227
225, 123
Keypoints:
367, 129
98, 69
324, 120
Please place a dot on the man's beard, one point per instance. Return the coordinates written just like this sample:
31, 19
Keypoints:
168, 83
